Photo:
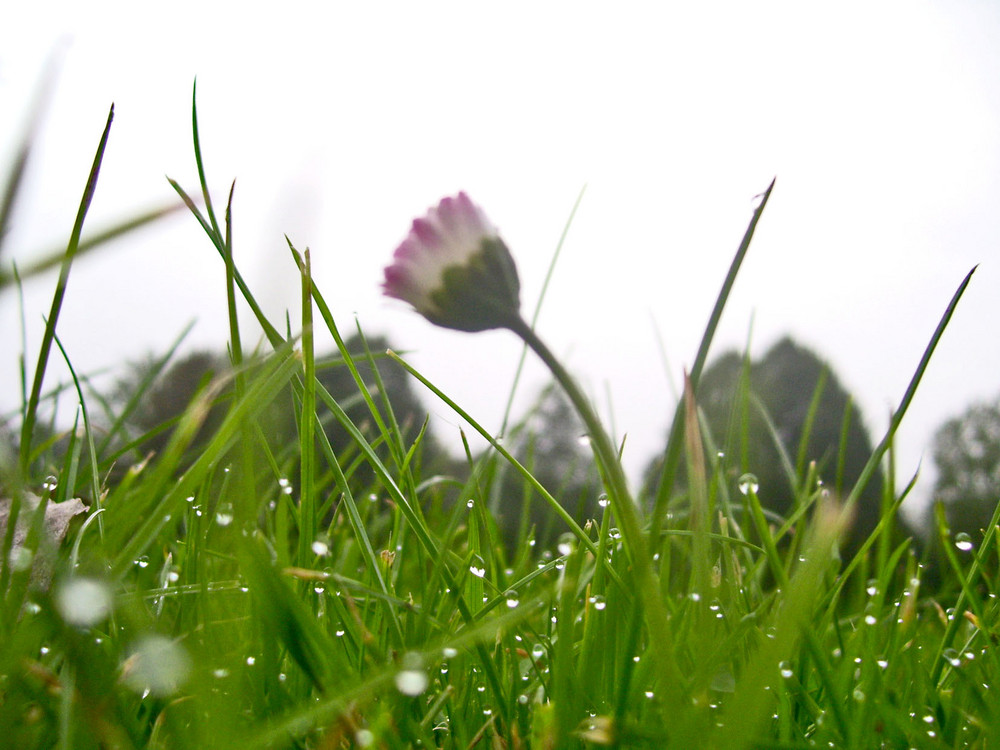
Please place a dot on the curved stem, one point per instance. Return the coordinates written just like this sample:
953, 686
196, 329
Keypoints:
657, 619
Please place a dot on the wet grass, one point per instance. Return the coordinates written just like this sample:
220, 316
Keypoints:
239, 590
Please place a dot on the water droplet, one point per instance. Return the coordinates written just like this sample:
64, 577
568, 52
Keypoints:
142, 561
786, 670
411, 680
364, 738
872, 587
566, 543
251, 661
951, 656
614, 534
512, 598
537, 651
599, 602
21, 557
220, 673
224, 514
477, 572
449, 653
157, 665
748, 483
963, 542
83, 602
50, 483
583, 440
602, 500
321, 547
870, 620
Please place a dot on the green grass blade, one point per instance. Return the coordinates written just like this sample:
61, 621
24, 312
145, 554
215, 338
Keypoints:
31, 408
675, 442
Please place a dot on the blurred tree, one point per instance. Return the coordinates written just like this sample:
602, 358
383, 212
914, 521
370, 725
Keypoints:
967, 456
765, 418
551, 443
166, 397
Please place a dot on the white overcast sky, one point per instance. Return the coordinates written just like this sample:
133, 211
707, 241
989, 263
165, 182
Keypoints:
341, 122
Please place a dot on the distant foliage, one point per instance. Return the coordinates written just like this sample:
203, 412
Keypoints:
551, 443
967, 457
161, 404
761, 415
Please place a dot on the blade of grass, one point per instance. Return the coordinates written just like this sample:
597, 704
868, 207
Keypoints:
29, 417
675, 443
15, 177
900, 412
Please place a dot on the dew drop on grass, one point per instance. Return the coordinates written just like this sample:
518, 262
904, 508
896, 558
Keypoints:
583, 440
83, 602
321, 547
566, 543
251, 661
513, 599
50, 483
364, 738
224, 514
20, 558
786, 670
599, 602
872, 588
470, 503
477, 571
142, 561
449, 653
156, 665
748, 483
411, 680
602, 500
951, 656
537, 651
963, 542
870, 620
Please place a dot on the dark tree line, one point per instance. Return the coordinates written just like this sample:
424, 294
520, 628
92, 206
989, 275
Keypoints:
773, 417
966, 452
780, 416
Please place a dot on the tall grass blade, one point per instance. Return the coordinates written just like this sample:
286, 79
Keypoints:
675, 443
31, 408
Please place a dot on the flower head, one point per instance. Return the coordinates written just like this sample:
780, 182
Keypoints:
455, 270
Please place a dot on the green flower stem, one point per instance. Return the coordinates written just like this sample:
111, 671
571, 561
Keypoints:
657, 619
